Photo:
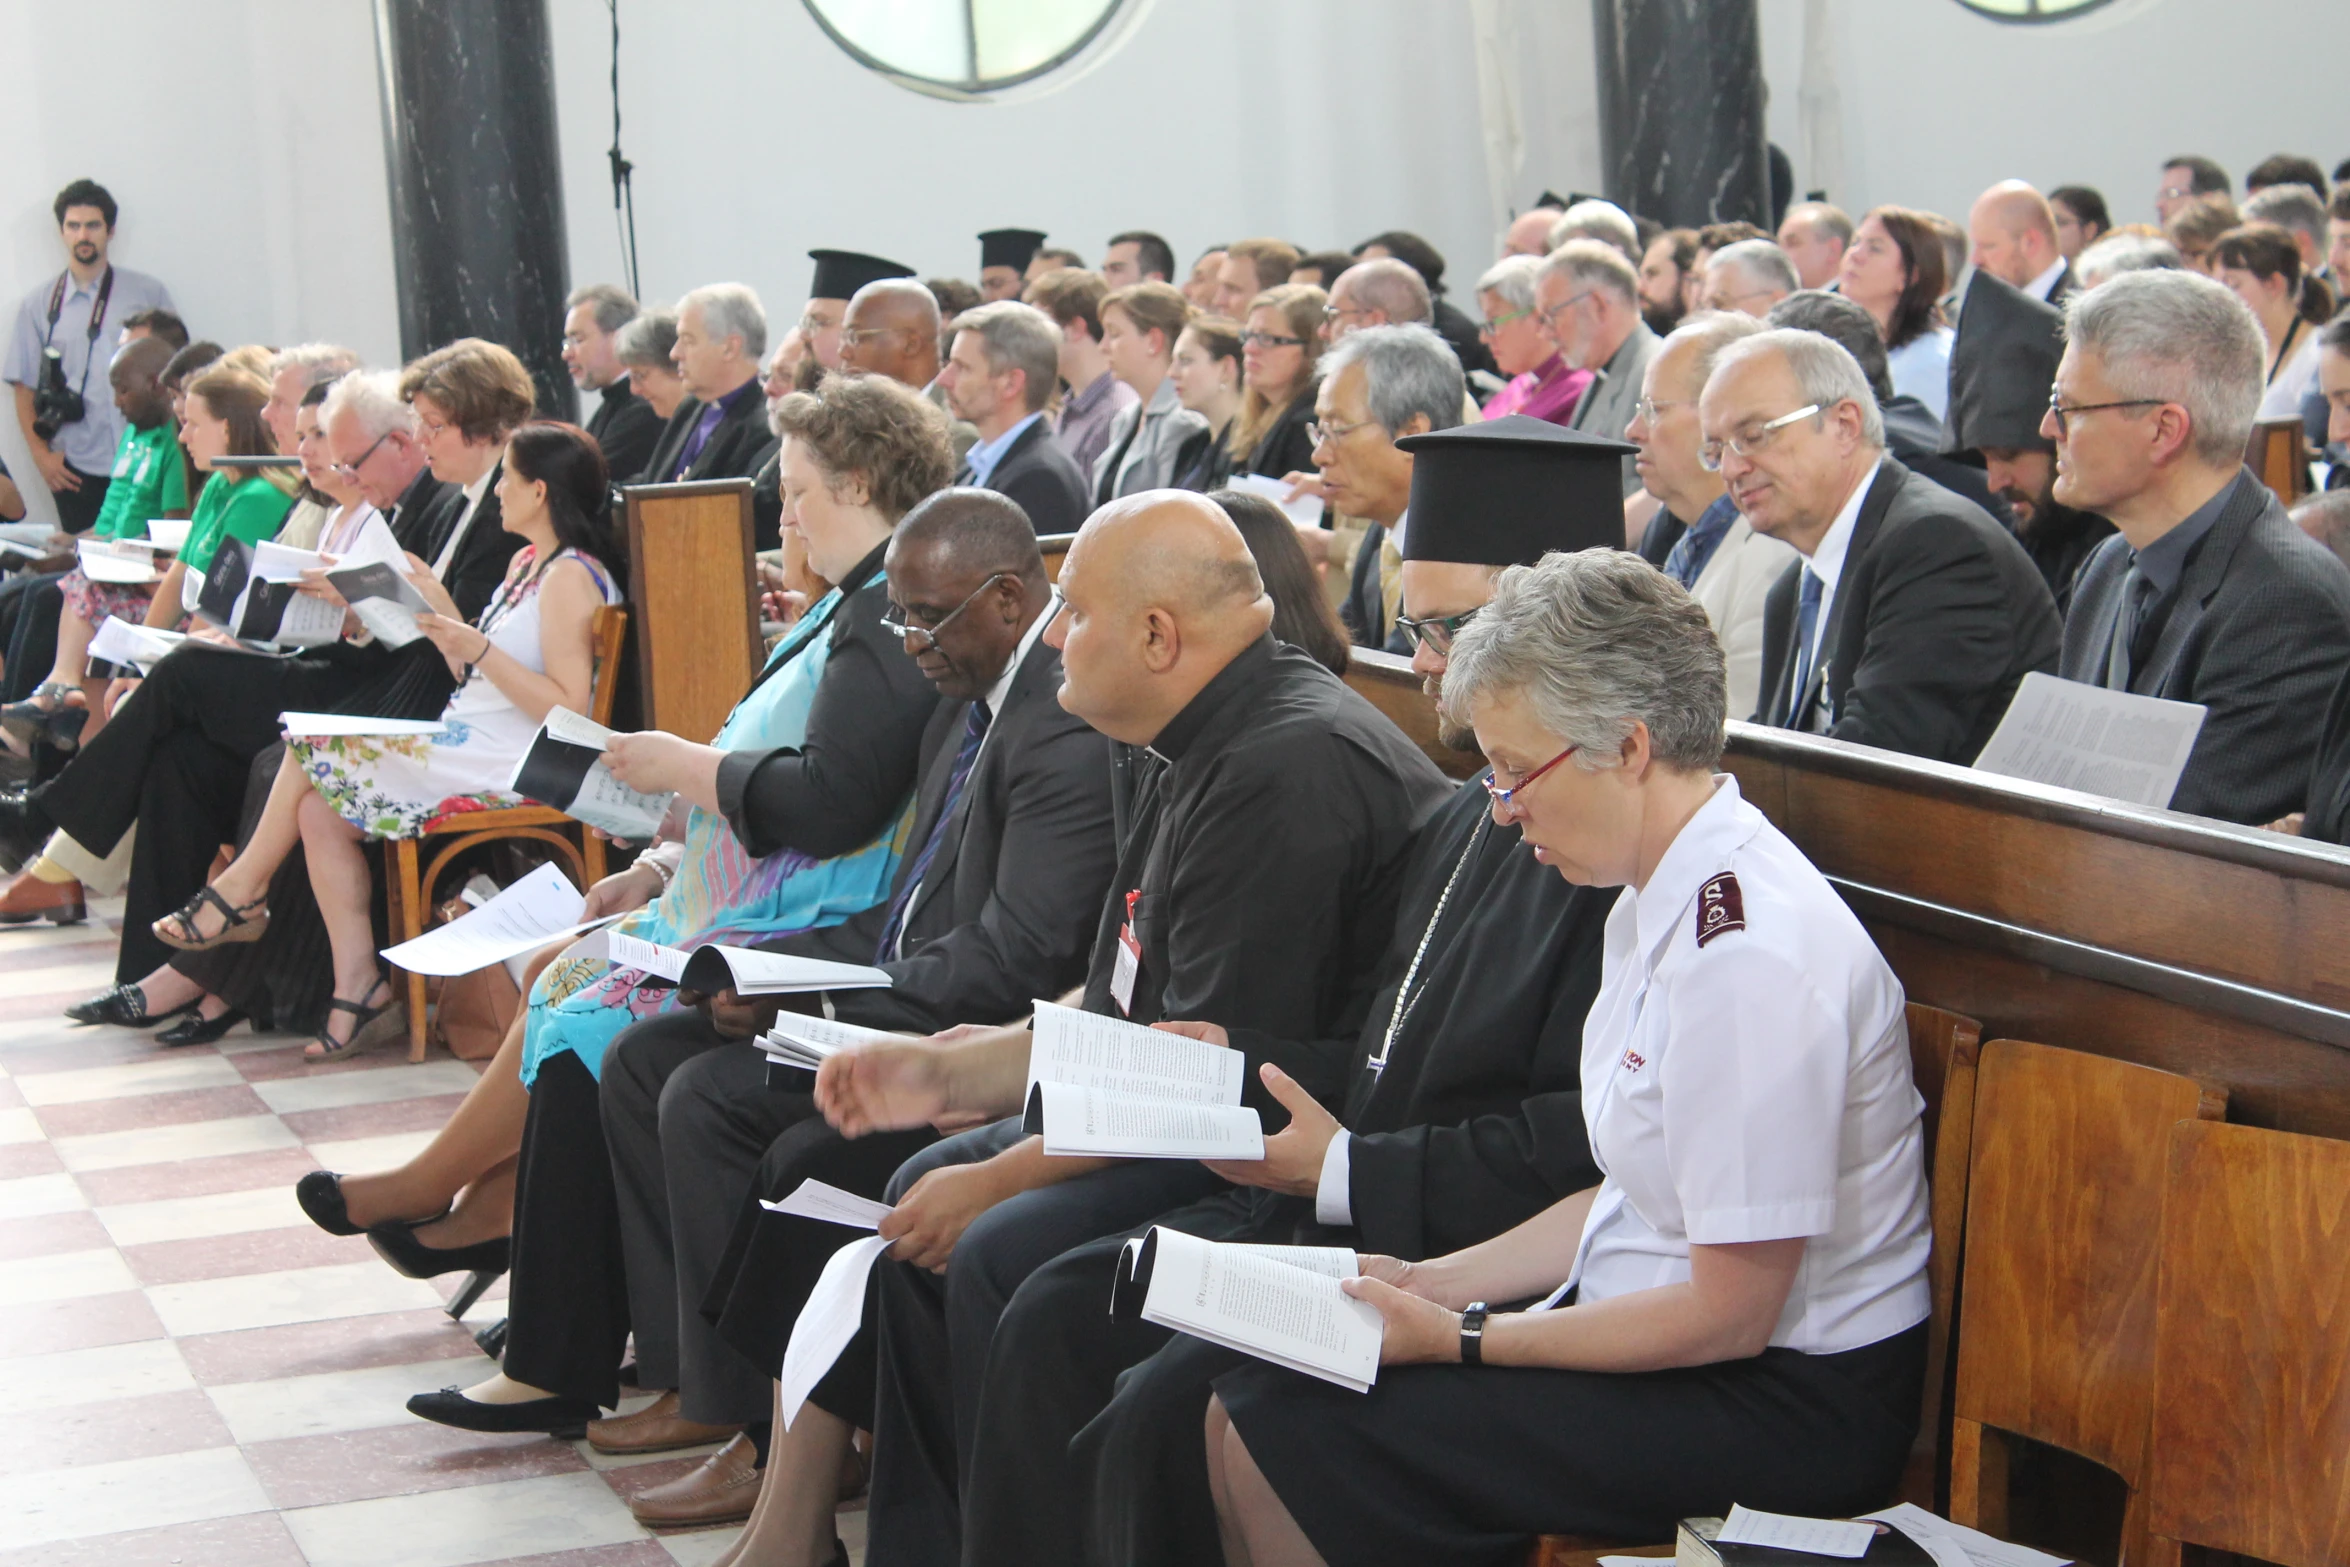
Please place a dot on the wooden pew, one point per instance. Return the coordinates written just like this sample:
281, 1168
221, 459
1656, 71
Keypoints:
695, 603
2279, 453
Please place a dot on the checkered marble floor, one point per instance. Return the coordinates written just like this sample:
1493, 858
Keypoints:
193, 1374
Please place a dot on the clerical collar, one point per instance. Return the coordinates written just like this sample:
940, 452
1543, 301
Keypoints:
2164, 561
1185, 727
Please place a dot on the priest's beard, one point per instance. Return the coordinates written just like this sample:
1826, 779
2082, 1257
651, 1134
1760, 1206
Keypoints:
1661, 319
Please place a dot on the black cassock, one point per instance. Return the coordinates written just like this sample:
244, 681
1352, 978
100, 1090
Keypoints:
1472, 1123
2326, 815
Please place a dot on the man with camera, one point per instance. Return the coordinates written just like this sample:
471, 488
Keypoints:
65, 333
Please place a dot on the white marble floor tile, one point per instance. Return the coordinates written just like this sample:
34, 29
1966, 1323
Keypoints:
483, 1523
30, 1196
18, 942
64, 1276
334, 1400
218, 1213
265, 1300
364, 1154
19, 1125
167, 1073
698, 1548
90, 1376
383, 1084
171, 1144
135, 1493
92, 976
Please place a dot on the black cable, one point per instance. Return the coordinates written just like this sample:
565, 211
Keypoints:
623, 190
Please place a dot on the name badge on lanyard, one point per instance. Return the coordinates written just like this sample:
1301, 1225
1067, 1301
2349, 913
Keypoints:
1128, 961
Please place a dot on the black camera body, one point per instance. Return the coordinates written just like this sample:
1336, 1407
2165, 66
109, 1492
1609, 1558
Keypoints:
55, 405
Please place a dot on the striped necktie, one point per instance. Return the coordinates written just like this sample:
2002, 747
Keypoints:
974, 731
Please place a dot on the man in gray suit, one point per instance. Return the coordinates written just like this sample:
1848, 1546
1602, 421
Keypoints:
1588, 298
2209, 593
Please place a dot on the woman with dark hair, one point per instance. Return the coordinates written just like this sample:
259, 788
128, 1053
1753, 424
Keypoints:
1207, 372
2081, 218
2261, 265
529, 652
1278, 351
1894, 269
1302, 616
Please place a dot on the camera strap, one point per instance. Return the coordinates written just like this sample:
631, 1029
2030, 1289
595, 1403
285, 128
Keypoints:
97, 318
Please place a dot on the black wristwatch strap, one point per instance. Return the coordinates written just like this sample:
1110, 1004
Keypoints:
1473, 1334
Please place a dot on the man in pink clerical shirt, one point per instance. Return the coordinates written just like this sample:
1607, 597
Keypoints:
1542, 384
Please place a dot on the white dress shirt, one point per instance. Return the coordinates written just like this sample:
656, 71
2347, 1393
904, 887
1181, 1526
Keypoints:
2039, 287
1827, 563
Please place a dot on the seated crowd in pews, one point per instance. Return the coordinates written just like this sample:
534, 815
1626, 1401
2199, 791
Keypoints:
1631, 1185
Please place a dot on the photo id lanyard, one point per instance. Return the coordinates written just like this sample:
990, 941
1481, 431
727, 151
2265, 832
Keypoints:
1128, 962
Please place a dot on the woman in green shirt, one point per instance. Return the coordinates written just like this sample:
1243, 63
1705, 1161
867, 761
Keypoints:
223, 406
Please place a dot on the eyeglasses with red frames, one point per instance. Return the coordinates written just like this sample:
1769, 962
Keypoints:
1507, 799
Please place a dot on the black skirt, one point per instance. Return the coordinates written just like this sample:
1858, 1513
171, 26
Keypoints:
1466, 1464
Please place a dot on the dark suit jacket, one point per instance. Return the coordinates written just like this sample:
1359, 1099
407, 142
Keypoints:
1007, 909
478, 569
734, 451
418, 515
626, 427
1039, 474
1364, 613
2259, 633
1939, 615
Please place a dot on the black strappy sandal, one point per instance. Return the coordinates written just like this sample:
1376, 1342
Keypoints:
246, 923
370, 1027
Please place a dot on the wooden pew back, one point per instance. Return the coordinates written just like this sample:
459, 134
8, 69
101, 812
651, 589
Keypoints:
2279, 453
695, 600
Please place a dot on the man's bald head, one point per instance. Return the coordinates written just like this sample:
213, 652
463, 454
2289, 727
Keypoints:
1161, 594
2012, 230
891, 329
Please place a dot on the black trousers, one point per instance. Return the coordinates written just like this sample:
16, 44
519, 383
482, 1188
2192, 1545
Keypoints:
567, 1307
30, 605
77, 510
935, 1331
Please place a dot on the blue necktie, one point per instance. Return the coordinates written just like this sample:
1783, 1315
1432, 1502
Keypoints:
1682, 557
974, 731
1807, 620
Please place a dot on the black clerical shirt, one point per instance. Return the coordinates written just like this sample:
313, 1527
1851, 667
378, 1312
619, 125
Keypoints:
1264, 857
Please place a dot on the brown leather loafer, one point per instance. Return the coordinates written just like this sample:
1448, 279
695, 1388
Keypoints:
720, 1491
656, 1428
27, 898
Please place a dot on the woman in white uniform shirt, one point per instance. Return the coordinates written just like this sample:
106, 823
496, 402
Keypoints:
1749, 1291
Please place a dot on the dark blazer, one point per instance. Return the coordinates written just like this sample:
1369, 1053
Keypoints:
2065, 286
1042, 478
1364, 612
626, 427
2259, 633
478, 569
416, 515
734, 451
1285, 447
1006, 911
1939, 615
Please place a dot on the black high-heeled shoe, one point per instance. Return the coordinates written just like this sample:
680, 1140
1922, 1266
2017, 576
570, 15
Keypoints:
200, 1030
486, 1261
321, 1195
125, 1006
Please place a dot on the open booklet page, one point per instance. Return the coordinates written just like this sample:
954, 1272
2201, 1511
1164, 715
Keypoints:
564, 768
1253, 1299
1097, 1051
799, 1040
2112, 743
385, 601
813, 1199
1078, 1121
710, 969
124, 562
119, 642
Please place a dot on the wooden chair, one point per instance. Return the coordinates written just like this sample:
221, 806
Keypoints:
2063, 1232
409, 878
1942, 1051
2251, 1424
2279, 453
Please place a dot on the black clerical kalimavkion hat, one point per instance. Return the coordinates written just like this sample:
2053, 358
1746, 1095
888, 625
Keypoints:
1510, 490
840, 273
2002, 366
1013, 248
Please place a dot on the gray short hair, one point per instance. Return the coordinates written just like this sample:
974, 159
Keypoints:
1596, 641
1600, 220
1407, 370
2115, 254
1390, 286
2178, 337
1593, 263
1511, 279
2295, 208
614, 306
318, 362
646, 339
1710, 333
1762, 261
1015, 336
731, 310
373, 398
1825, 373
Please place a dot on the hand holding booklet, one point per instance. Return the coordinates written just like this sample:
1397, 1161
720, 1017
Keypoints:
383, 598
1102, 1086
564, 768
1278, 1303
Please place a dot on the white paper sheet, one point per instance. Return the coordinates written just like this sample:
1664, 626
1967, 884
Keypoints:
1938, 1535
1813, 1536
625, 951
283, 562
119, 642
779, 973
2083, 737
169, 533
1082, 1121
802, 1041
1244, 1300
100, 563
1108, 1053
540, 908
335, 725
822, 1200
827, 1322
1305, 511
28, 537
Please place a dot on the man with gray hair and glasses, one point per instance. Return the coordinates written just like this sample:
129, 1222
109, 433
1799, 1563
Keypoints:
1588, 299
720, 430
1749, 277
1912, 617
623, 424
2209, 593
1379, 385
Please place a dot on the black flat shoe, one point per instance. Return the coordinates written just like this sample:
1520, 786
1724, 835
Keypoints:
24, 828
200, 1030
486, 1261
560, 1417
125, 1006
321, 1195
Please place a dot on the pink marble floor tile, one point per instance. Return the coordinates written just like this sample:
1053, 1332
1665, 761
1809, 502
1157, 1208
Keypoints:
50, 1233
28, 1159
50, 1325
635, 1553
97, 1045
251, 1540
427, 1114
262, 1066
11, 1096
143, 1110
392, 1338
110, 1429
231, 1256
228, 1172
400, 1460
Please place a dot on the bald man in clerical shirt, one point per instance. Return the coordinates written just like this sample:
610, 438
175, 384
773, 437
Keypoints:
1257, 886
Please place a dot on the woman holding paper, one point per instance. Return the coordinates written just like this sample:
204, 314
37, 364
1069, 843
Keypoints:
1736, 1314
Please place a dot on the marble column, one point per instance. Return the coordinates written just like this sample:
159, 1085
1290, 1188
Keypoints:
478, 240
1681, 110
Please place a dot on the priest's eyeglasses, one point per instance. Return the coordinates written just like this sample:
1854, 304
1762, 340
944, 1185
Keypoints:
1506, 800
1489, 327
2063, 415
1709, 455
1435, 632
898, 621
